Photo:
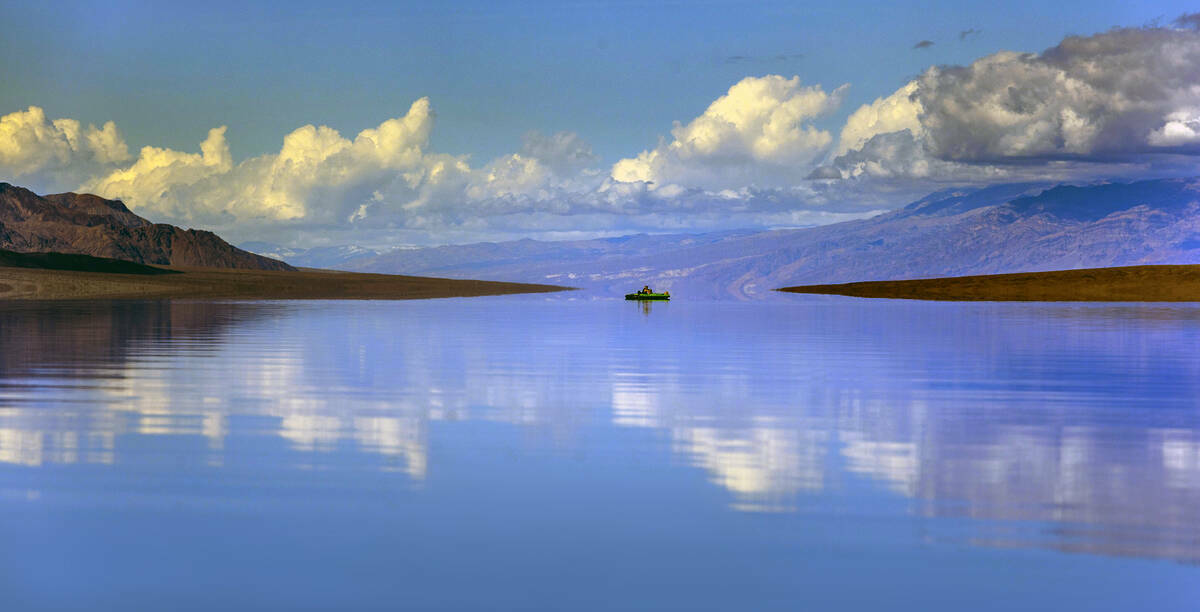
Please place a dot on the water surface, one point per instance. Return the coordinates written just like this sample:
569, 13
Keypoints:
556, 453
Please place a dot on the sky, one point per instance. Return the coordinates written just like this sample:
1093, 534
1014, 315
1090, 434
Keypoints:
389, 124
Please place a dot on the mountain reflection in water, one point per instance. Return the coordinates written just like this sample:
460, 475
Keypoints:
1070, 427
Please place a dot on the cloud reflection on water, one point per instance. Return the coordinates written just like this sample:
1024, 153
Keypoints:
1080, 418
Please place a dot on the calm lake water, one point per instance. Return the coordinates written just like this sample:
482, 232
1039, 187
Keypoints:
560, 453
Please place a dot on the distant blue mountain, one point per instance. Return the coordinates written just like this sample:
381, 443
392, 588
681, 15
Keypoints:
333, 257
1002, 228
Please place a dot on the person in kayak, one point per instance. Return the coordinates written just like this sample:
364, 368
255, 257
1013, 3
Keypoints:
646, 289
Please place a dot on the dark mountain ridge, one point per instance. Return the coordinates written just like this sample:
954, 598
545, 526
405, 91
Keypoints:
86, 224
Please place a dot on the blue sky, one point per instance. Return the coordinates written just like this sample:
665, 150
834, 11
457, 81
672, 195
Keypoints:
613, 75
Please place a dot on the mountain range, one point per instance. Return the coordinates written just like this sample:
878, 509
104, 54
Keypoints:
1019, 227
84, 224
1023, 227
329, 257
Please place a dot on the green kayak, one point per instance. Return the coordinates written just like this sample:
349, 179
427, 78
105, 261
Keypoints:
648, 296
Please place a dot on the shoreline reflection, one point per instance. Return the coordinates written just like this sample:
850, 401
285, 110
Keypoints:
1076, 424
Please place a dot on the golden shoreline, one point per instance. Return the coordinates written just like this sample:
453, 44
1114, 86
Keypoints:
1158, 283
219, 283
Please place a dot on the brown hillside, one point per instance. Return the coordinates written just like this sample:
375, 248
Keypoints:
1121, 284
213, 283
86, 224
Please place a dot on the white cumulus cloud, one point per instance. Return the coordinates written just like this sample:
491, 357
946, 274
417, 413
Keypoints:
60, 151
894, 113
156, 171
759, 133
1181, 128
317, 175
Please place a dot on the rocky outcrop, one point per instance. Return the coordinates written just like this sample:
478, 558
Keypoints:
90, 225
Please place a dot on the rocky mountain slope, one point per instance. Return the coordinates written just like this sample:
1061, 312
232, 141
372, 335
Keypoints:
90, 225
1003, 228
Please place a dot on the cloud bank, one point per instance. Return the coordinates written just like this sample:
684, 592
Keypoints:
1118, 103
1109, 97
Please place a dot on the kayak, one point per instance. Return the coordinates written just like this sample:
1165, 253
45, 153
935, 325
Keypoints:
648, 296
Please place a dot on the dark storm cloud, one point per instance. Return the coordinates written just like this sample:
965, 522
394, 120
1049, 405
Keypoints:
1123, 99
1111, 93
